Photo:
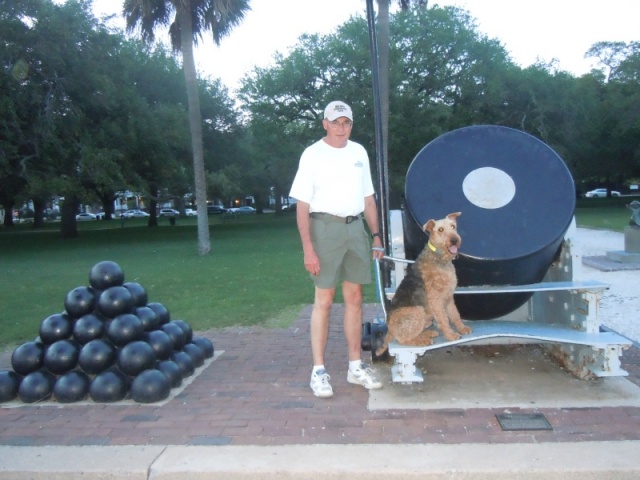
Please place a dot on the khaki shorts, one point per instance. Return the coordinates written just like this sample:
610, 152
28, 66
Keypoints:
344, 252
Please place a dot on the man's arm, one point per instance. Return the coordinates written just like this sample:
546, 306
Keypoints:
311, 261
371, 216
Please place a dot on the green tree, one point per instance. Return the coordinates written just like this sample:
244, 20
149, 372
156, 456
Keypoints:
188, 20
440, 69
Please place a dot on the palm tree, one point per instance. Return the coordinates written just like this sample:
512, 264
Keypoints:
188, 20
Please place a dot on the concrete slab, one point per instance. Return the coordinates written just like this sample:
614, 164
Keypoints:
605, 264
496, 376
548, 461
71, 463
545, 461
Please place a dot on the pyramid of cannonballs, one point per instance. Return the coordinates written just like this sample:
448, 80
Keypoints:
109, 344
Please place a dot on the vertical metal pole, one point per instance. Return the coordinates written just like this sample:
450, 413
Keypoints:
381, 162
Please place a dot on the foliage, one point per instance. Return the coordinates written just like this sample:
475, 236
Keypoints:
187, 21
444, 74
86, 113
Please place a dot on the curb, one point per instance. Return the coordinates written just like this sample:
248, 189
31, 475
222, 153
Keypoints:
544, 461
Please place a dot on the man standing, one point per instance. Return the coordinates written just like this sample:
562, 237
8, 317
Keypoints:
334, 190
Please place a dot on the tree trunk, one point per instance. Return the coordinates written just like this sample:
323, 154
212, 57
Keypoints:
68, 224
195, 125
38, 212
153, 205
107, 205
8, 212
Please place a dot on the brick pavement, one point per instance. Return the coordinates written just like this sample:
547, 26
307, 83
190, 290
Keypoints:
257, 393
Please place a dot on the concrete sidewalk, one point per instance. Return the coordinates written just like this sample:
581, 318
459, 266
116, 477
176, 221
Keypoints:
251, 413
583, 461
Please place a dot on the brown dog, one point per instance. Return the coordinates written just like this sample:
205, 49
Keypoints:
425, 294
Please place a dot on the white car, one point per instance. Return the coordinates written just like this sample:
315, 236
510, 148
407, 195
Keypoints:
601, 193
85, 217
242, 210
168, 212
134, 214
190, 212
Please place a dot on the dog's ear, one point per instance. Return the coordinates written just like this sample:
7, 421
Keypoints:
428, 227
453, 216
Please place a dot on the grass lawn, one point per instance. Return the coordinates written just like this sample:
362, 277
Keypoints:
254, 274
604, 213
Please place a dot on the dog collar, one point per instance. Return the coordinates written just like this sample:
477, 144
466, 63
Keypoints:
432, 247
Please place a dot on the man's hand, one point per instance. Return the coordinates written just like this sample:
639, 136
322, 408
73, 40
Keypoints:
311, 262
378, 249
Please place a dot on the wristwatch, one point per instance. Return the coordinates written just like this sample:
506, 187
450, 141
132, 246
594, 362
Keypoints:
377, 234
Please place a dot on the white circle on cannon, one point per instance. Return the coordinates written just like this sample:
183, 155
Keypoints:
489, 188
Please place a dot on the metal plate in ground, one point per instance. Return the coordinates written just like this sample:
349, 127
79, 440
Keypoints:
523, 421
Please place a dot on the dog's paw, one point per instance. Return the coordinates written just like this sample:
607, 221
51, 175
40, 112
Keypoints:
381, 351
465, 330
451, 336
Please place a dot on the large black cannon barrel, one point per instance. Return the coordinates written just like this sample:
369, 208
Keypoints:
517, 200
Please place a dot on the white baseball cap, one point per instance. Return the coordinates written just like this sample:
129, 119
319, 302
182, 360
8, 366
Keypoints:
337, 109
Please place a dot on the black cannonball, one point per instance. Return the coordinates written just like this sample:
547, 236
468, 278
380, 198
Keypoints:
125, 328
96, 356
109, 386
28, 357
161, 311
88, 327
36, 387
186, 328
61, 356
115, 301
206, 345
56, 327
185, 363
176, 334
172, 371
148, 318
138, 293
9, 384
106, 274
71, 387
135, 357
150, 386
160, 342
195, 352
80, 301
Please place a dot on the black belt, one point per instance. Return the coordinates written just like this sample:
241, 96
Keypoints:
335, 218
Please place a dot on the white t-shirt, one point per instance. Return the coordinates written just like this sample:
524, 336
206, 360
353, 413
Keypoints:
333, 180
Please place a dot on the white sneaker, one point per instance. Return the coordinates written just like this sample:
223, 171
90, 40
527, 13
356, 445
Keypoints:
365, 376
320, 384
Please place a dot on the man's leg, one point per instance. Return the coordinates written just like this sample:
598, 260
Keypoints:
320, 322
319, 333
359, 373
352, 294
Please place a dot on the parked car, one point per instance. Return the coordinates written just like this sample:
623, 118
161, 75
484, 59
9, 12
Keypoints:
190, 212
100, 216
242, 210
215, 209
134, 214
85, 217
168, 212
601, 193
288, 207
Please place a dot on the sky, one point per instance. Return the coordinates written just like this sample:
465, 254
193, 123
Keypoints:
530, 30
